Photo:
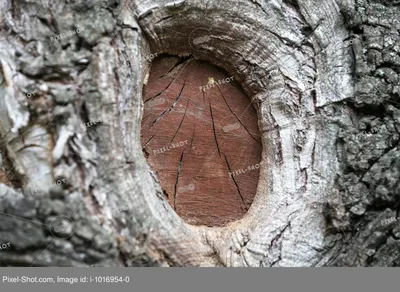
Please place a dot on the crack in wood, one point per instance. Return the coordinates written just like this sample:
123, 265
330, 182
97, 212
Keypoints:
184, 115
259, 142
172, 106
212, 119
213, 127
177, 178
234, 181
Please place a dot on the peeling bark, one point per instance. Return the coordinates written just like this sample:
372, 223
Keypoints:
322, 76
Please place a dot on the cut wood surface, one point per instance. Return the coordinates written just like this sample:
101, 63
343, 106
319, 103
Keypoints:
200, 136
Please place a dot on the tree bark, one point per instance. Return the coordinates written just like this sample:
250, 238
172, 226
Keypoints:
322, 76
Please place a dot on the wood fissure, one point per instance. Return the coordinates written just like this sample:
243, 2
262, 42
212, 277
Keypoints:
209, 111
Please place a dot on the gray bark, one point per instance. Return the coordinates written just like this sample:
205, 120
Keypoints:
323, 76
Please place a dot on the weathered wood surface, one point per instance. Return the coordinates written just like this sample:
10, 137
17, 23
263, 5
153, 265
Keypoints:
321, 75
200, 135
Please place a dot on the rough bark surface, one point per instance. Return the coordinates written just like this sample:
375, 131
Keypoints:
323, 77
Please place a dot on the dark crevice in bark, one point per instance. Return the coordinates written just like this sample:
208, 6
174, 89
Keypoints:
260, 6
278, 236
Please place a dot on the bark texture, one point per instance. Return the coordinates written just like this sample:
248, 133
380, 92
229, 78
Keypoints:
323, 77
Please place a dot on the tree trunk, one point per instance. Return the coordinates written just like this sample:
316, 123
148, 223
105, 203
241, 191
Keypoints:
321, 75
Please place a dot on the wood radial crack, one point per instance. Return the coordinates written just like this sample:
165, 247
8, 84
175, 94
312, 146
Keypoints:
171, 107
238, 118
213, 127
185, 62
234, 181
183, 117
177, 178
203, 117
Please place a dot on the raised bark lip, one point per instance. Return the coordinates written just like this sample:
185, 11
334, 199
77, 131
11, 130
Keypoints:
162, 32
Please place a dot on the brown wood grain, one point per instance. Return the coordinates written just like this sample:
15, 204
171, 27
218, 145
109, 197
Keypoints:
195, 137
